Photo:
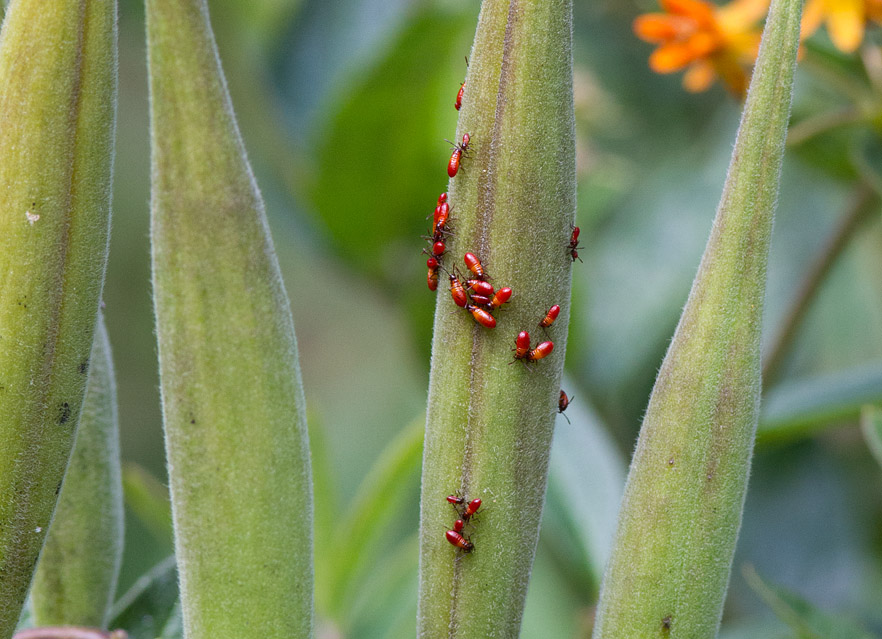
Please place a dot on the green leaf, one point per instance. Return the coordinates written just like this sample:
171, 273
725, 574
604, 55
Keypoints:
78, 569
174, 627
589, 503
148, 605
871, 427
684, 497
364, 153
366, 530
233, 404
806, 620
489, 425
57, 117
800, 407
148, 499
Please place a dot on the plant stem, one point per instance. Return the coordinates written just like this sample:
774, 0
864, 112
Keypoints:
863, 204
489, 424
233, 404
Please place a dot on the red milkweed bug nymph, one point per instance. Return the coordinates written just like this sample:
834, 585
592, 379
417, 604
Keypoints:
458, 104
442, 213
573, 247
522, 346
550, 316
458, 525
562, 404
474, 265
542, 351
432, 277
500, 297
455, 500
438, 250
459, 540
480, 287
442, 198
481, 316
480, 300
470, 509
523, 352
457, 290
459, 150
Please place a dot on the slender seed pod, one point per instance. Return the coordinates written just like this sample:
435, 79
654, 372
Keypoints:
488, 425
679, 521
76, 576
233, 405
57, 117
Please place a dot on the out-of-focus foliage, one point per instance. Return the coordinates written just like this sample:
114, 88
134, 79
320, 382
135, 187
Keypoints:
343, 107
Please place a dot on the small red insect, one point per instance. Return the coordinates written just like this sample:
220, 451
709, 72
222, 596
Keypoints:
458, 104
432, 277
540, 352
471, 509
438, 250
474, 265
459, 150
522, 346
460, 541
500, 297
573, 246
523, 352
480, 287
562, 404
550, 316
455, 500
458, 525
442, 198
458, 292
480, 300
442, 214
481, 316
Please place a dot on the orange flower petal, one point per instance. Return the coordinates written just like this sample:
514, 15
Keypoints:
740, 15
699, 76
703, 43
657, 27
670, 57
845, 22
698, 10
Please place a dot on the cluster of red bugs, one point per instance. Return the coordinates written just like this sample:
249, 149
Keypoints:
465, 511
478, 297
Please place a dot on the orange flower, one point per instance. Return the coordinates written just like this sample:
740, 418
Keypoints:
706, 40
846, 20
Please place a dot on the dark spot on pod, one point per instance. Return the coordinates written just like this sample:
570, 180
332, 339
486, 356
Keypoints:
666, 624
58, 488
671, 461
83, 368
192, 419
64, 411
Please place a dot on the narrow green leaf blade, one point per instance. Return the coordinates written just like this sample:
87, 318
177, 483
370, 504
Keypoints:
806, 620
801, 406
78, 569
144, 610
148, 500
871, 426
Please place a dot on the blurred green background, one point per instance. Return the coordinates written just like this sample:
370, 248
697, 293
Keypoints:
344, 107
